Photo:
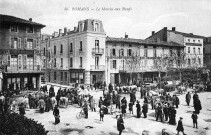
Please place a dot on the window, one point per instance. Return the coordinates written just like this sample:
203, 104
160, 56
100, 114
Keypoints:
188, 49
29, 29
96, 27
188, 40
71, 62
114, 64
145, 51
194, 61
194, 41
199, 60
61, 76
14, 28
35, 60
189, 62
121, 52
54, 76
96, 61
61, 62
129, 52
199, 41
170, 52
24, 61
15, 42
61, 49
81, 27
71, 47
154, 52
80, 49
199, 50
19, 42
114, 52
194, 50
81, 59
14, 60
96, 43
8, 60
49, 76
130, 45
44, 51
65, 76
54, 62
30, 63
19, 61
29, 43
54, 49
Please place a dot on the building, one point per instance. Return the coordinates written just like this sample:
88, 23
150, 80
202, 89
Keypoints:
193, 44
134, 60
75, 56
207, 51
19, 52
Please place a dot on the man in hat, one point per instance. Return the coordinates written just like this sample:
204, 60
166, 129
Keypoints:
2, 101
194, 117
138, 109
56, 114
120, 124
180, 127
188, 98
85, 108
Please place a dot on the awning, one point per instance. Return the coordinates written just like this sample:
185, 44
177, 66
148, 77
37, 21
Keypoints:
77, 70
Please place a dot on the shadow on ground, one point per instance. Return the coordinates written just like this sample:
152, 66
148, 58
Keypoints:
207, 120
67, 131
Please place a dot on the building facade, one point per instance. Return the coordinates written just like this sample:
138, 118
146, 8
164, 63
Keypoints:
193, 44
207, 51
76, 56
134, 60
20, 53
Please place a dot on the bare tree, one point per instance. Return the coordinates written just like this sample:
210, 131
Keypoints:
133, 64
162, 63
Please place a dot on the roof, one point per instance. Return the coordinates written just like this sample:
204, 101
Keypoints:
141, 41
186, 34
8, 18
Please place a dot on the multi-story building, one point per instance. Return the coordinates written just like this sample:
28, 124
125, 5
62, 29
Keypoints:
76, 56
19, 51
134, 60
207, 52
193, 44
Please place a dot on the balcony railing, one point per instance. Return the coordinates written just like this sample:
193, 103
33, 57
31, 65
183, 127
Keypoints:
97, 67
99, 51
13, 68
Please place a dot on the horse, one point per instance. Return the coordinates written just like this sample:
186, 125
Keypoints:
64, 101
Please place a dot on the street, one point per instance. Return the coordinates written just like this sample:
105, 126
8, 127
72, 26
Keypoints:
70, 125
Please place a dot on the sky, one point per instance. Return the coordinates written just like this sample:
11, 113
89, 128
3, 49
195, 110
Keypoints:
138, 21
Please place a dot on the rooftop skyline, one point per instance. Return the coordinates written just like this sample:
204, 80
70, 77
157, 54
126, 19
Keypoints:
137, 17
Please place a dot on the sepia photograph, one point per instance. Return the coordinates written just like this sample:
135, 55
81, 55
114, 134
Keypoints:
105, 67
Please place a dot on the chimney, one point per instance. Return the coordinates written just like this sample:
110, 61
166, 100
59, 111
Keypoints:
60, 32
53, 34
30, 19
56, 34
173, 28
165, 28
75, 29
153, 32
65, 30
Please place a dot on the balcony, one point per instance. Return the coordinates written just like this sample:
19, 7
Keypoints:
24, 68
97, 51
97, 68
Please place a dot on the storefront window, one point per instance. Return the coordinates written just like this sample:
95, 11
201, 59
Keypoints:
25, 82
8, 82
18, 83
34, 82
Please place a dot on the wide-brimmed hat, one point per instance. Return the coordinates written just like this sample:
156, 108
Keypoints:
181, 118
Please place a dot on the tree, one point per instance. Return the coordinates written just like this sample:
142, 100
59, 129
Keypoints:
133, 64
162, 63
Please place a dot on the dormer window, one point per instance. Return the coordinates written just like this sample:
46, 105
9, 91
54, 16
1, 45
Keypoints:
29, 29
81, 27
14, 28
96, 27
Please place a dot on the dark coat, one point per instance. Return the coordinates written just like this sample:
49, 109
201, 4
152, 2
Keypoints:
188, 98
180, 126
145, 108
120, 124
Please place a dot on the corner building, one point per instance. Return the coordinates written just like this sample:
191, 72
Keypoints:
78, 56
20, 53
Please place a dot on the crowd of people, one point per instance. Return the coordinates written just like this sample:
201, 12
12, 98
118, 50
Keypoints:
164, 105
